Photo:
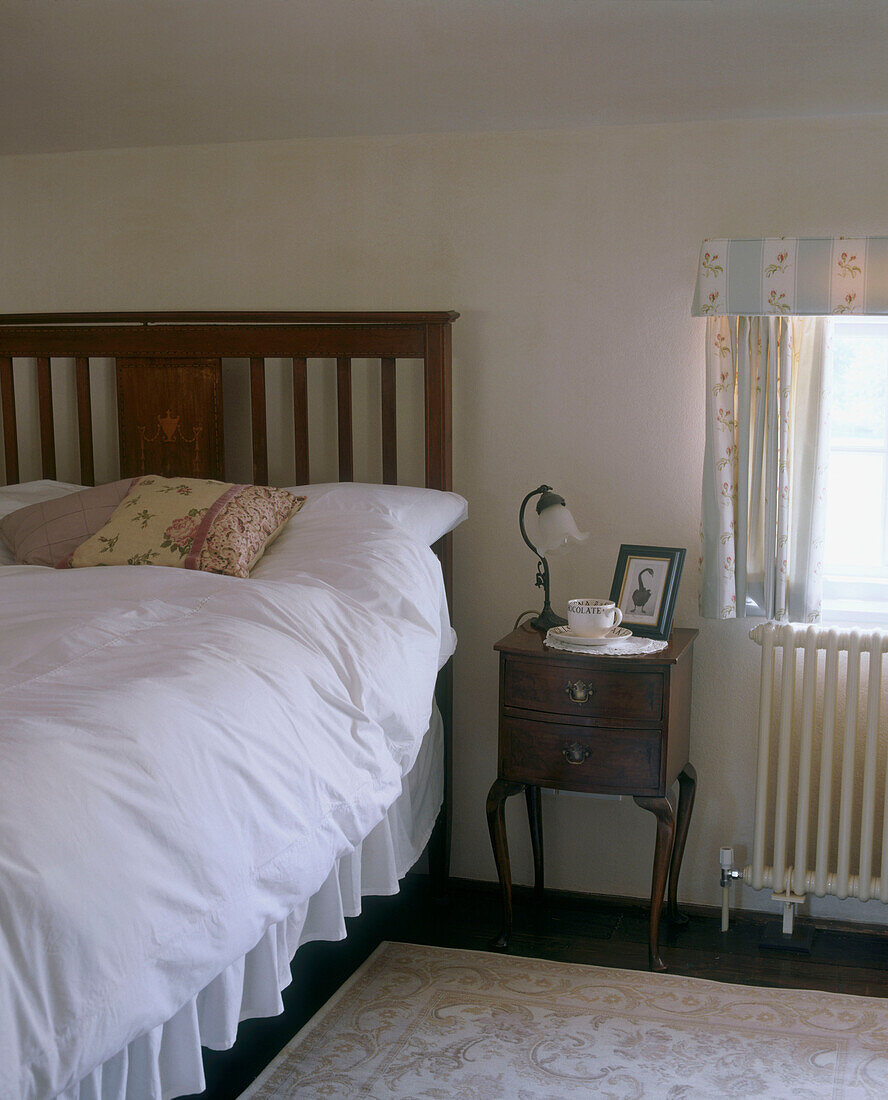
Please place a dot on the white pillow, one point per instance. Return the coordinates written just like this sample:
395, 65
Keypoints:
427, 514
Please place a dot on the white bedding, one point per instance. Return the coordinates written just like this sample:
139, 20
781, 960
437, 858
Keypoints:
185, 760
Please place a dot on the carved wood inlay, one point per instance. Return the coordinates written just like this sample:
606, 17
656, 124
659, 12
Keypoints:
170, 416
166, 432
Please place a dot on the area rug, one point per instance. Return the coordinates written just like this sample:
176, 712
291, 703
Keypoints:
447, 1024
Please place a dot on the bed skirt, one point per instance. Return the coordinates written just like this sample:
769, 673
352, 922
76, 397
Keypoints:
166, 1061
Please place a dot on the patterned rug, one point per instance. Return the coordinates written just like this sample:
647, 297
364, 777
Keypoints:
431, 1022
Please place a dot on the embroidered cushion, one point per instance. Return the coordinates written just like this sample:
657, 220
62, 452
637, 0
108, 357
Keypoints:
46, 532
190, 523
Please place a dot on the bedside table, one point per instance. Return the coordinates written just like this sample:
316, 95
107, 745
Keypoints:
595, 724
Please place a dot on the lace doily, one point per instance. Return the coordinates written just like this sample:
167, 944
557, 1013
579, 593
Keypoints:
622, 647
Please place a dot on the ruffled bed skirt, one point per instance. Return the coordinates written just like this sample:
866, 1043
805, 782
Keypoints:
166, 1061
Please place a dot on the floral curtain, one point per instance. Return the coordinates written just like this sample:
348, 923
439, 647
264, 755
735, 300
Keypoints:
765, 466
792, 277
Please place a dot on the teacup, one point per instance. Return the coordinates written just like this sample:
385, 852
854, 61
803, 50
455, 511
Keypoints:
593, 618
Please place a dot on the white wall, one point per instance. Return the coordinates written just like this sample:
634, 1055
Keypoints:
571, 257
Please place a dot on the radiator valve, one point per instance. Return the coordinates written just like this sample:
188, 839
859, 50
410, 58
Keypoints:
728, 873
726, 860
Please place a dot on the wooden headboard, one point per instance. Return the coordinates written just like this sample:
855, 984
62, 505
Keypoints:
168, 370
169, 363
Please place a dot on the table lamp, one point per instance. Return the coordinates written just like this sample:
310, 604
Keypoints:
556, 526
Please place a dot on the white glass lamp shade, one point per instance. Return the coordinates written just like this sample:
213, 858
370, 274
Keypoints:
556, 527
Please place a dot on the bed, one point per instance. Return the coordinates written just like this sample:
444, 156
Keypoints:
199, 772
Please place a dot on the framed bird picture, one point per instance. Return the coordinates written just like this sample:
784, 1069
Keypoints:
645, 587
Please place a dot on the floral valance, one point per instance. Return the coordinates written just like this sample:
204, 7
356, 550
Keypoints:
792, 275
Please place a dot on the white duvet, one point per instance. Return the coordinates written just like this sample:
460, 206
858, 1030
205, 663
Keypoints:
183, 757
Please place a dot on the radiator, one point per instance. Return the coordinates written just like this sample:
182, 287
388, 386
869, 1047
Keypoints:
818, 748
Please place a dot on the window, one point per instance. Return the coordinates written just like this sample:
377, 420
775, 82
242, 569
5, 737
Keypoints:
856, 550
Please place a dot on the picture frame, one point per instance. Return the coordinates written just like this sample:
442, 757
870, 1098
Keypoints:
645, 587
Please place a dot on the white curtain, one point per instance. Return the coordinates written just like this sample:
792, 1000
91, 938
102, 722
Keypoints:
765, 466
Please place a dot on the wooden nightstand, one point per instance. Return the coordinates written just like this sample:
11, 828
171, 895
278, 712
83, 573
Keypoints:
595, 724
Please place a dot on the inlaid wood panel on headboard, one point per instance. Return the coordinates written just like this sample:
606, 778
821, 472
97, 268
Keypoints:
170, 417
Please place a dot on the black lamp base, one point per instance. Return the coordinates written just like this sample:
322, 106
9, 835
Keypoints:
547, 619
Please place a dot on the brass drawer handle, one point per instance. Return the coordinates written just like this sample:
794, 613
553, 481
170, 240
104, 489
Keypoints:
576, 753
579, 692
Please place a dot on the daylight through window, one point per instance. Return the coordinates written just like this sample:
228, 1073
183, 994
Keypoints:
856, 549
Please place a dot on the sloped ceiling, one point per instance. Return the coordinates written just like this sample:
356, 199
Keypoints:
94, 74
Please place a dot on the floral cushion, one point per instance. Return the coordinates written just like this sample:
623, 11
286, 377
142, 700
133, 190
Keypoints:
189, 523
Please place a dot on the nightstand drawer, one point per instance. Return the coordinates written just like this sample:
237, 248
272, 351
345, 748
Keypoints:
535, 685
580, 758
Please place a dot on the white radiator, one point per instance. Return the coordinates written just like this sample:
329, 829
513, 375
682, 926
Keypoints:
821, 824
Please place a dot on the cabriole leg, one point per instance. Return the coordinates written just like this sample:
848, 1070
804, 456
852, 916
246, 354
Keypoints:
535, 820
661, 808
687, 789
496, 823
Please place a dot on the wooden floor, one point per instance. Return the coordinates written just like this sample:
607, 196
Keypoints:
570, 928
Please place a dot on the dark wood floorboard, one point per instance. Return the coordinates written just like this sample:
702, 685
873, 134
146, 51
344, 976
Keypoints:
567, 928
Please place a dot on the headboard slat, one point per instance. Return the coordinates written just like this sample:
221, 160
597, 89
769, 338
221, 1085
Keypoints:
300, 419
438, 408
10, 432
47, 425
344, 406
84, 421
257, 404
389, 402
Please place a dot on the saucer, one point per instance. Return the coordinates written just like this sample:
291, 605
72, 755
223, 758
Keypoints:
565, 634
